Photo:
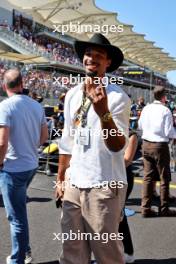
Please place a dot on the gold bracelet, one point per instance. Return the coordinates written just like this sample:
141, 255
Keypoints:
106, 117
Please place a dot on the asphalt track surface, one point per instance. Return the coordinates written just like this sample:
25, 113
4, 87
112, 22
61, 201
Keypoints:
154, 239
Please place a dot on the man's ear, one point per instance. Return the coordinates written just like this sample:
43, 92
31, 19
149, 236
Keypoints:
109, 62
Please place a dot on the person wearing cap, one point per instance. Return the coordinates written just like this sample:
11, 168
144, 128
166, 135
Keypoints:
156, 123
91, 161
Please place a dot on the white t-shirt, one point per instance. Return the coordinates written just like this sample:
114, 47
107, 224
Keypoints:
93, 164
24, 116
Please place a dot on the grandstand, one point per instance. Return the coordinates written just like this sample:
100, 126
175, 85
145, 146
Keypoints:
49, 54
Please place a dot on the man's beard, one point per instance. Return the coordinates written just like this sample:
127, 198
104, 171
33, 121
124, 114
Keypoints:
91, 73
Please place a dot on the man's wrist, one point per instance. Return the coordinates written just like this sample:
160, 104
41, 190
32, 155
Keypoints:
1, 166
60, 180
106, 117
60, 177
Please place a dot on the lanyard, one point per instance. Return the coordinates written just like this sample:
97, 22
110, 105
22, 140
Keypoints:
80, 117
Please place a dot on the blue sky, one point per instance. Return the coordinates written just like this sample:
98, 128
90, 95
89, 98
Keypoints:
154, 18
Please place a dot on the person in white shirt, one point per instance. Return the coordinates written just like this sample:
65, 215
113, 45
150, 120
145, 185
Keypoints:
92, 150
156, 123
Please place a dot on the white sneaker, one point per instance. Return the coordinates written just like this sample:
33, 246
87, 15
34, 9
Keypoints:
129, 258
8, 260
28, 259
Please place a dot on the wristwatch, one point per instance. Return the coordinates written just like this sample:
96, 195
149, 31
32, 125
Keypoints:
106, 117
1, 166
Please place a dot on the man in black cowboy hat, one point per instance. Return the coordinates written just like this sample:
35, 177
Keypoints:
91, 158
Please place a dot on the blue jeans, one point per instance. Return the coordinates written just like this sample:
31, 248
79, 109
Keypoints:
13, 187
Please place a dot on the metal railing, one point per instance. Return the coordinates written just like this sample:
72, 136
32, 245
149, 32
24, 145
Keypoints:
20, 43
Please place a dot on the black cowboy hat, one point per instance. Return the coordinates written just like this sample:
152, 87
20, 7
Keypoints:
98, 40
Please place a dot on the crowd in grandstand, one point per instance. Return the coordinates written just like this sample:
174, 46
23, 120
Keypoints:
59, 51
42, 82
45, 84
3, 68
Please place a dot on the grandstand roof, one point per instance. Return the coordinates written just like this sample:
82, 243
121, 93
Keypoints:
26, 59
84, 12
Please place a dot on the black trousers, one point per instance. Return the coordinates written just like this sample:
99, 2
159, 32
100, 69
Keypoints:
124, 227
